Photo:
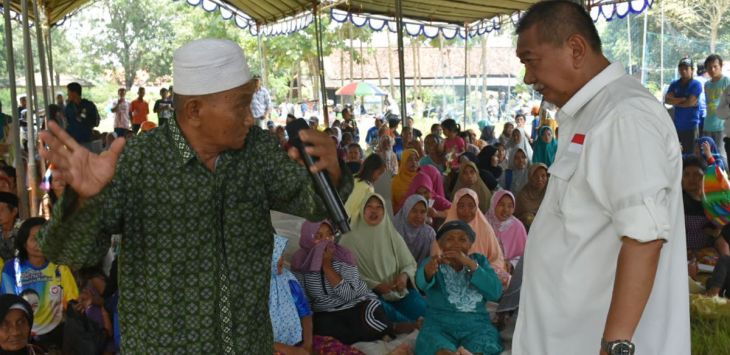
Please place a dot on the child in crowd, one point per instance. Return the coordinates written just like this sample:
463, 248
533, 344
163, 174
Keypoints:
91, 303
453, 145
53, 285
458, 285
509, 230
370, 171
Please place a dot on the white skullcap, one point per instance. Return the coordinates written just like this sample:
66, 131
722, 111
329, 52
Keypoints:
208, 66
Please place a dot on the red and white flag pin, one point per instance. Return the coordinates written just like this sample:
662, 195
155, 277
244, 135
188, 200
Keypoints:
576, 144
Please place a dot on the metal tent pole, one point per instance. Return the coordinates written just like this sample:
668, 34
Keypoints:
41, 53
30, 113
50, 64
320, 62
466, 70
44, 76
401, 59
15, 132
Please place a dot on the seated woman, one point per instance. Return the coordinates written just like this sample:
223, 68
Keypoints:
16, 320
411, 224
465, 209
291, 317
708, 144
437, 205
458, 285
703, 242
528, 200
344, 307
546, 147
434, 153
372, 168
516, 176
49, 286
406, 172
489, 161
510, 231
469, 179
384, 261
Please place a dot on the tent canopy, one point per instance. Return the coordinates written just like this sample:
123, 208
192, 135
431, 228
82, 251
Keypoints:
56, 10
269, 11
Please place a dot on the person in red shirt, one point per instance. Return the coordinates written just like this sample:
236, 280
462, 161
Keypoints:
139, 109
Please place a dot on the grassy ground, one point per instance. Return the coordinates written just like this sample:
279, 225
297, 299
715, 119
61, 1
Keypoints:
710, 336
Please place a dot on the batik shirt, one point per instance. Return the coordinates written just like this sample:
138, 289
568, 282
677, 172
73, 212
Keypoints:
195, 255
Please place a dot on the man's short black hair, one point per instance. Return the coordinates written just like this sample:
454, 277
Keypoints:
74, 87
711, 58
693, 161
558, 20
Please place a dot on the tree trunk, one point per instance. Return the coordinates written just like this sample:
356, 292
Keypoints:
713, 37
342, 61
415, 65
377, 71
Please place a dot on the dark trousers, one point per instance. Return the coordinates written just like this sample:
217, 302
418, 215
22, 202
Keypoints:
687, 139
364, 322
720, 276
135, 128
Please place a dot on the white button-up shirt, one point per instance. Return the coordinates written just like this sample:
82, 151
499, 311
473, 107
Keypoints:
617, 173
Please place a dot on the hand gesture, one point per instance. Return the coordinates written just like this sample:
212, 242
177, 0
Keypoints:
401, 282
87, 173
328, 255
460, 258
706, 150
322, 146
384, 288
432, 267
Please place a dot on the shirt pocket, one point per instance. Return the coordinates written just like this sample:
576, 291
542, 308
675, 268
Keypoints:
561, 172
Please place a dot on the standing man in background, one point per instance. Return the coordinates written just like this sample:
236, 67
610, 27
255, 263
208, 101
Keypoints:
684, 94
261, 104
140, 109
121, 114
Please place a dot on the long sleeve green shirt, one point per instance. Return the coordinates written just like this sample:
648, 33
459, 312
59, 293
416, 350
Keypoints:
195, 256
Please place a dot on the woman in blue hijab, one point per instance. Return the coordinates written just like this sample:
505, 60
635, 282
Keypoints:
545, 147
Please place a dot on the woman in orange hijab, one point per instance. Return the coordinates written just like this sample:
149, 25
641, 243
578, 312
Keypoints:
406, 172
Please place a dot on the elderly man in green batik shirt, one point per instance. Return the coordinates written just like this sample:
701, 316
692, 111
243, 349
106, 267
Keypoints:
191, 200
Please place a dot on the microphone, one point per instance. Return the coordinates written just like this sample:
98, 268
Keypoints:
321, 180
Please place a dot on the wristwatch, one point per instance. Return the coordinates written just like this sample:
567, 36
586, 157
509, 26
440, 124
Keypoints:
618, 347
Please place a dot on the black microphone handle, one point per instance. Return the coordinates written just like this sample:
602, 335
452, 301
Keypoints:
332, 200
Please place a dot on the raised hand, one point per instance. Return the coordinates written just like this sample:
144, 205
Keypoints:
431, 267
87, 173
323, 147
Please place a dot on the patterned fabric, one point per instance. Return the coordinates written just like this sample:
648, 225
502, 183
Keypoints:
282, 309
194, 257
329, 346
456, 284
261, 103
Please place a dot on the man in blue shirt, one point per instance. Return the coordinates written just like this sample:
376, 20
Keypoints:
81, 114
684, 95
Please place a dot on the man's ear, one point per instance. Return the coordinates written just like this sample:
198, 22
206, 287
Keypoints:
191, 108
579, 48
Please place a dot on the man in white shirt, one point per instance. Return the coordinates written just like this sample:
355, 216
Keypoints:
605, 267
261, 104
120, 108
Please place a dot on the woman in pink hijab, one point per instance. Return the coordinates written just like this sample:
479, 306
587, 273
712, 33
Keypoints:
509, 230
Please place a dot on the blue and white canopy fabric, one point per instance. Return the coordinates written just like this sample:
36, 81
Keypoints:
599, 9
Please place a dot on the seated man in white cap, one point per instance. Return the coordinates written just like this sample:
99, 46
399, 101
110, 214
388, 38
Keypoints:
192, 201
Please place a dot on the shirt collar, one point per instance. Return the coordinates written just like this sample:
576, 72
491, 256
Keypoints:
589, 90
181, 144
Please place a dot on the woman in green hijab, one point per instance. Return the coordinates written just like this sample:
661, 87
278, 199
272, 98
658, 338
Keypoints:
384, 261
